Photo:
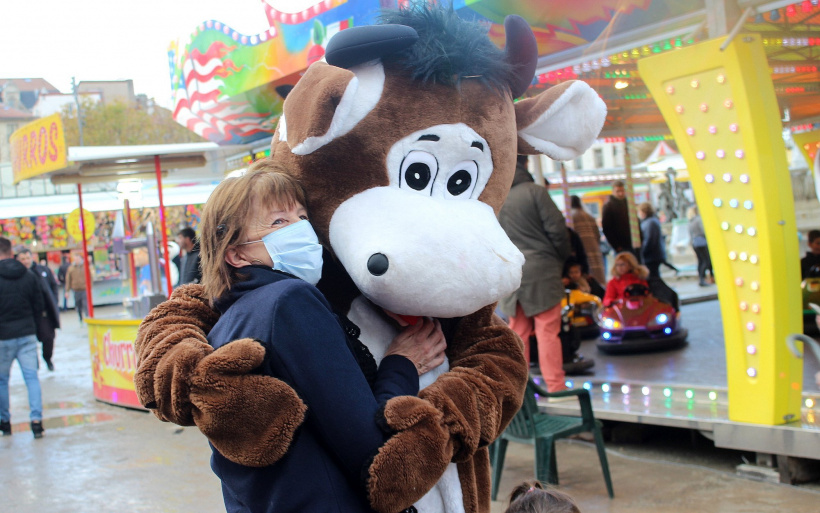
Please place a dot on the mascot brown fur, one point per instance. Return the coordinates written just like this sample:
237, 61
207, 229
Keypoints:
405, 142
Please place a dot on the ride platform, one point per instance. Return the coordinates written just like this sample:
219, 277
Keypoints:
687, 388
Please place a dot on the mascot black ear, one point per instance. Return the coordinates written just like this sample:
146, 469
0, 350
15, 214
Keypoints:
521, 51
284, 90
357, 45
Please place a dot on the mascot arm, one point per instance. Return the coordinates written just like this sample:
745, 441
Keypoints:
465, 409
249, 418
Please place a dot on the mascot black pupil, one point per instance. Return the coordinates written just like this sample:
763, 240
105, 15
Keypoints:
417, 176
459, 182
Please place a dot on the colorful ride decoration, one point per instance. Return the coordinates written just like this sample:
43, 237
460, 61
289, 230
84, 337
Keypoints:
720, 106
224, 82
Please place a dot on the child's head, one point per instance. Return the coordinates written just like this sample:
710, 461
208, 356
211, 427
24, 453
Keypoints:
625, 262
574, 271
814, 241
645, 210
530, 497
242, 209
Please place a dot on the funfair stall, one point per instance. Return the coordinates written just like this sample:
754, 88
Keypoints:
111, 336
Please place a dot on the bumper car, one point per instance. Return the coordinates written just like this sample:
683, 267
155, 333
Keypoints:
646, 319
583, 312
811, 294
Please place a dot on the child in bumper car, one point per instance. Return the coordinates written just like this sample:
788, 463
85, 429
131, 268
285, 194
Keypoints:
625, 272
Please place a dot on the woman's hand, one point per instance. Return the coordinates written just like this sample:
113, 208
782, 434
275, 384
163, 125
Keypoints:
422, 343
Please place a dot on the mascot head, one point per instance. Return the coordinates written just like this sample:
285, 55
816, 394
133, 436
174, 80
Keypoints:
406, 143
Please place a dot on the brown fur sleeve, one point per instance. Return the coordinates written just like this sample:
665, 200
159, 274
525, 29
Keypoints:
248, 417
485, 385
170, 343
465, 409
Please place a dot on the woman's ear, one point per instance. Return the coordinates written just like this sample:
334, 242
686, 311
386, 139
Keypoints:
234, 258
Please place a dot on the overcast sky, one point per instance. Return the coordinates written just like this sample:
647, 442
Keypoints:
109, 39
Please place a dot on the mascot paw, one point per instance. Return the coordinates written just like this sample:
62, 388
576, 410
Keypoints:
249, 418
414, 458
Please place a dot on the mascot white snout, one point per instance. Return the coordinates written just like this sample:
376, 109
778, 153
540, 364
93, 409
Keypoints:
424, 256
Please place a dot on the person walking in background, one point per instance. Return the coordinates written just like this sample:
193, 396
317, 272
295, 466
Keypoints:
697, 236
615, 219
75, 282
21, 303
652, 252
189, 271
49, 320
587, 229
534, 224
64, 265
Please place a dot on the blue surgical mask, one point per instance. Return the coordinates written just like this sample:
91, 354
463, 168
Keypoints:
295, 249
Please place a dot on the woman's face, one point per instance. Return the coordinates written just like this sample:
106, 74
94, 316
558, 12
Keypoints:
268, 221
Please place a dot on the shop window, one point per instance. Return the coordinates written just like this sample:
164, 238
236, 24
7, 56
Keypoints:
598, 157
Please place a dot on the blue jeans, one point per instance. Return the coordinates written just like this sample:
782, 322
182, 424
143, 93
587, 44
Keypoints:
24, 350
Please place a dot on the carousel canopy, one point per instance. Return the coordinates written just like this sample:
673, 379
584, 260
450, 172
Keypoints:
228, 87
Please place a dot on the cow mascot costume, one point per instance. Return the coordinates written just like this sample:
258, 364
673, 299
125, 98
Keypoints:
406, 143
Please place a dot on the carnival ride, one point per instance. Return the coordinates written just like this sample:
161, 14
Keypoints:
583, 311
722, 78
641, 322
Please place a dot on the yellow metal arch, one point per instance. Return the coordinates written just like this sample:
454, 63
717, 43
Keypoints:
722, 111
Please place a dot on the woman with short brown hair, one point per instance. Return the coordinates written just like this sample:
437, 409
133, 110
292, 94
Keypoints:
261, 261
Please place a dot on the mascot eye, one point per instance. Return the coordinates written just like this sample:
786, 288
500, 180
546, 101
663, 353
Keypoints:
462, 179
418, 169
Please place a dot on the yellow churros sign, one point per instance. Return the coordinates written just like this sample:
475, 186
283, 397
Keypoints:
38, 148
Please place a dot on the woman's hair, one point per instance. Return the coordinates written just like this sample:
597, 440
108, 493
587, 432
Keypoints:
641, 271
530, 497
575, 202
646, 209
227, 214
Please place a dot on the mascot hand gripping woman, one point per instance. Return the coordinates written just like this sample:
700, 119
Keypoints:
406, 143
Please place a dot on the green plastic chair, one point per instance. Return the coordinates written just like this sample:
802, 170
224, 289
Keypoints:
533, 426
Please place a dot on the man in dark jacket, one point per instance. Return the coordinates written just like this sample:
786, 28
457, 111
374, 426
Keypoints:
538, 229
49, 321
189, 271
615, 219
21, 303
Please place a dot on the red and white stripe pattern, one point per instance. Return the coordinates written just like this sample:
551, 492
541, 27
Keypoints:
197, 103
293, 12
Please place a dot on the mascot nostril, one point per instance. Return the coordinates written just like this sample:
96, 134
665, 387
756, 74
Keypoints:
377, 264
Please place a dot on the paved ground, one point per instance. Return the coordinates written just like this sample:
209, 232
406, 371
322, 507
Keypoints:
96, 457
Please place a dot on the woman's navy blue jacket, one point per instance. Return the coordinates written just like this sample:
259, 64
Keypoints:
306, 348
